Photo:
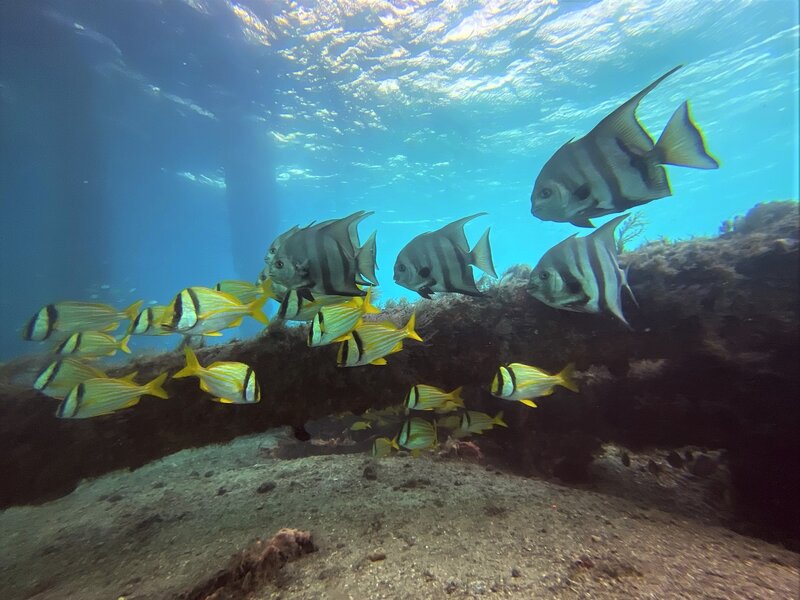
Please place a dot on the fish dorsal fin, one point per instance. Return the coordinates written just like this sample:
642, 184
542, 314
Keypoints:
562, 246
455, 231
343, 230
605, 235
623, 124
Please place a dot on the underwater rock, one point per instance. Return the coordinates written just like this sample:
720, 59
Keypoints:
255, 565
710, 362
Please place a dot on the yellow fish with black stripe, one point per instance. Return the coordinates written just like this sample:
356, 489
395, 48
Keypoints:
93, 343
203, 311
369, 343
148, 322
473, 421
334, 323
295, 307
244, 291
228, 381
105, 395
60, 376
69, 317
523, 382
416, 434
428, 397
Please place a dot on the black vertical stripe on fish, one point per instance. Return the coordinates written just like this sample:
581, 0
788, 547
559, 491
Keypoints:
441, 262
606, 171
52, 317
598, 273
511, 374
636, 161
322, 263
177, 311
53, 373
248, 374
359, 345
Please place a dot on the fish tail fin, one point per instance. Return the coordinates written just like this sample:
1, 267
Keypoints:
255, 309
565, 378
365, 259
192, 365
498, 420
133, 310
123, 344
682, 144
481, 255
154, 387
409, 328
455, 396
368, 307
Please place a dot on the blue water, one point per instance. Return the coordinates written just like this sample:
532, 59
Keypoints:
147, 146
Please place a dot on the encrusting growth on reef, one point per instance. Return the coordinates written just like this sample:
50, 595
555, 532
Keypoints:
252, 567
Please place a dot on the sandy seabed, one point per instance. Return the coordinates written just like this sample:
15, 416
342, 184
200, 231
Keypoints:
409, 528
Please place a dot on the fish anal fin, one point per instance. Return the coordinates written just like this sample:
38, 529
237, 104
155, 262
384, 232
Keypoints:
378, 361
528, 402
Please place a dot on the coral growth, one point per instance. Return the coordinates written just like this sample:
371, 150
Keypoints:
251, 568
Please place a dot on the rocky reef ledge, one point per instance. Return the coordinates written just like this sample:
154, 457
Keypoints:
710, 362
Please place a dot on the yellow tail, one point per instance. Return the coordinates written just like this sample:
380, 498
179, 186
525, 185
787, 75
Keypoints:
255, 309
368, 307
192, 367
133, 310
410, 328
565, 378
498, 420
123, 344
154, 387
455, 396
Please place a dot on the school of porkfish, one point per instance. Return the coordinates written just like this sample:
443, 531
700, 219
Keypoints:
322, 274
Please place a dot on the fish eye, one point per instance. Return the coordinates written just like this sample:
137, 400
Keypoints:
401, 268
272, 250
278, 264
546, 193
544, 275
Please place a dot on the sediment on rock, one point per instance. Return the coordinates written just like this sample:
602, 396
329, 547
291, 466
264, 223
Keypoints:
710, 362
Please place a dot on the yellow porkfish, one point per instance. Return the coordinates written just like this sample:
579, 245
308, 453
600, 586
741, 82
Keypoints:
60, 376
244, 291
334, 323
69, 317
104, 395
473, 421
203, 311
371, 342
230, 382
427, 397
523, 382
148, 322
93, 343
416, 434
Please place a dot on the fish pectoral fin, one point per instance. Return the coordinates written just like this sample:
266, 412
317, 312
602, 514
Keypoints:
425, 292
581, 222
583, 192
530, 403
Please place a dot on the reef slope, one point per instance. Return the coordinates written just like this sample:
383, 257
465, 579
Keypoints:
397, 528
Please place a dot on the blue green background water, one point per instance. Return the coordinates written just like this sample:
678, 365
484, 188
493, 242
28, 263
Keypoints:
150, 145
